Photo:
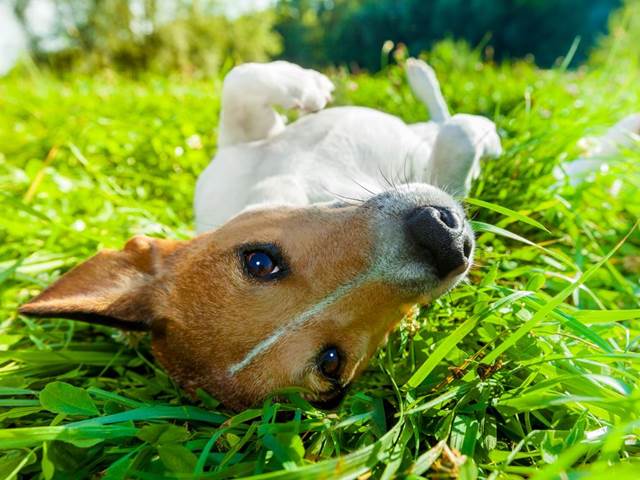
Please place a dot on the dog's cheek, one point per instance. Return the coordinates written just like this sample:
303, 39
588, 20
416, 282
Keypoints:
189, 367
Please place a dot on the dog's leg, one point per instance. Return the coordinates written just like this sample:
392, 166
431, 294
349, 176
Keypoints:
459, 146
458, 143
425, 86
250, 92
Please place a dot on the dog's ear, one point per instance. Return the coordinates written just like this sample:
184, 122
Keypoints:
112, 288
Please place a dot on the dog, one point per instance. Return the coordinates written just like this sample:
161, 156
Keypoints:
309, 251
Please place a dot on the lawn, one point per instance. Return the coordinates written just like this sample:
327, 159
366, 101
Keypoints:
530, 369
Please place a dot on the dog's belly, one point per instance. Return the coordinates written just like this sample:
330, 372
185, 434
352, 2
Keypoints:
344, 152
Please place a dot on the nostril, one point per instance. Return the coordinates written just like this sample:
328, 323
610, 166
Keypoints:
439, 238
448, 217
466, 247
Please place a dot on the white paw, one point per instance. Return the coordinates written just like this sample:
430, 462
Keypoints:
301, 88
418, 70
422, 77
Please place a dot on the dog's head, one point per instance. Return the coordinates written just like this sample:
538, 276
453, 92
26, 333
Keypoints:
276, 297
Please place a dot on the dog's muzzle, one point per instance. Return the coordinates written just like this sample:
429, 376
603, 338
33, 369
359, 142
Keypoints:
424, 241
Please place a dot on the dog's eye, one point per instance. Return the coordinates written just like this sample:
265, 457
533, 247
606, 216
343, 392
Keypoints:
329, 363
260, 264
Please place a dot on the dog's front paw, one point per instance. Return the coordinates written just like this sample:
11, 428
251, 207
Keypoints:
301, 88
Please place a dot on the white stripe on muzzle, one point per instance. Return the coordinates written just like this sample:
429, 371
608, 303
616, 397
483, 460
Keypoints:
300, 320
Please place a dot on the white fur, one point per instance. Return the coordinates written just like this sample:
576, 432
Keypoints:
599, 151
336, 153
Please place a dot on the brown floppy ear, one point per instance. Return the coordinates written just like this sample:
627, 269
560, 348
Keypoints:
112, 288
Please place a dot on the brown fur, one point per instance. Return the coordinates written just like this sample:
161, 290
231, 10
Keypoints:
205, 313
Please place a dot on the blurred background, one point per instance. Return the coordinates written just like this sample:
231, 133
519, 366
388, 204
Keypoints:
201, 38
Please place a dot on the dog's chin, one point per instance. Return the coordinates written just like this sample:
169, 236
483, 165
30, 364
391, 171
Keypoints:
423, 284
451, 282
330, 401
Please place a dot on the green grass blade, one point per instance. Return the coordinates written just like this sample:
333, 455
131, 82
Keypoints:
553, 303
81, 435
508, 212
455, 337
156, 413
606, 316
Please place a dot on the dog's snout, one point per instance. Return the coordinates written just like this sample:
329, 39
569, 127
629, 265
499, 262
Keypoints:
440, 237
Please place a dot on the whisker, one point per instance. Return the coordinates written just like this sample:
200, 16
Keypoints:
363, 187
343, 197
404, 168
352, 199
406, 161
384, 177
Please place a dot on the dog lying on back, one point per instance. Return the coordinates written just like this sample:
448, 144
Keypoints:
307, 255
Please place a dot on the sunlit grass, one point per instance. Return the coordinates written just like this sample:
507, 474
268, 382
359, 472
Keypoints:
530, 369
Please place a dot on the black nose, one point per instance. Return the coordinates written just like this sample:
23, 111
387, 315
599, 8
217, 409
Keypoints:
440, 237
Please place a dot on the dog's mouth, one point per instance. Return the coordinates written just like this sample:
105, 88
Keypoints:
331, 400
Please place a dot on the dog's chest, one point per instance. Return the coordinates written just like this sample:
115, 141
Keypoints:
338, 153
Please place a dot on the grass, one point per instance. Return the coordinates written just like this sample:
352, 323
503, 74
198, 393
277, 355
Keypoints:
531, 369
